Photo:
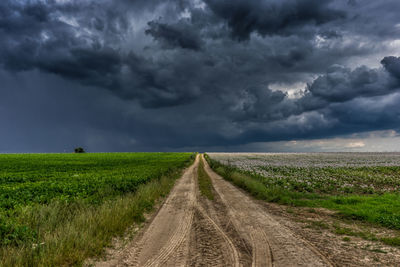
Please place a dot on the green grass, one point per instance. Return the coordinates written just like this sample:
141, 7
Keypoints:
346, 239
205, 185
391, 241
58, 209
381, 209
366, 235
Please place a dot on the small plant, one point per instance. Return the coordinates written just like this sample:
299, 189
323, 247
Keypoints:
79, 150
290, 210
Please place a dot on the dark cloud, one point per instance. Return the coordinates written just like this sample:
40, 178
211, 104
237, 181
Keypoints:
392, 65
174, 36
170, 75
273, 17
342, 84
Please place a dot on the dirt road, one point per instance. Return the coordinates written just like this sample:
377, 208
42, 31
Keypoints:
231, 230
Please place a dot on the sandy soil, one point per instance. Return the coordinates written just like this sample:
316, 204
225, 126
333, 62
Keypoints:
231, 230
317, 226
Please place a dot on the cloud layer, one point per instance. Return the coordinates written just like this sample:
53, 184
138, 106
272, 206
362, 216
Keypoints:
176, 75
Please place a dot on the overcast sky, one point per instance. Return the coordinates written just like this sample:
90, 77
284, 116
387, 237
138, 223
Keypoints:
204, 75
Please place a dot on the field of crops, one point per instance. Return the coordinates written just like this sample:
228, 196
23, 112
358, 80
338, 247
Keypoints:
35, 189
362, 186
40, 178
325, 173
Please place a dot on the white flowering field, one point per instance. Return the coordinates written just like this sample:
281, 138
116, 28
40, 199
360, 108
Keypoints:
322, 173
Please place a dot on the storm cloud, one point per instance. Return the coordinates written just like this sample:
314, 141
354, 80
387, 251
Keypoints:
273, 17
191, 74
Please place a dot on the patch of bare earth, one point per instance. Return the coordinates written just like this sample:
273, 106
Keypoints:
322, 228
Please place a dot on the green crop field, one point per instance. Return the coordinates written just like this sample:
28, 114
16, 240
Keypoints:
57, 209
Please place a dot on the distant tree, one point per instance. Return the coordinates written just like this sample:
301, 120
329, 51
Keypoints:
79, 150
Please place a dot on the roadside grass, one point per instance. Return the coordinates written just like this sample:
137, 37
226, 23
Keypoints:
65, 232
205, 185
366, 235
379, 209
347, 231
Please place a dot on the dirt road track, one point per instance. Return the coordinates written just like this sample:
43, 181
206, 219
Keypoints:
231, 230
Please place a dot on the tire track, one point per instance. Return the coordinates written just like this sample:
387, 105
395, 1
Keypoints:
209, 244
262, 253
214, 232
218, 213
170, 228
174, 243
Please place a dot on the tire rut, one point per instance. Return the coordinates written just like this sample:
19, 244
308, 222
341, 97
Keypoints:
209, 243
210, 246
169, 231
219, 214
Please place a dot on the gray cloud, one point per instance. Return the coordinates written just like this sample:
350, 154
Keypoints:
273, 17
174, 36
392, 65
341, 84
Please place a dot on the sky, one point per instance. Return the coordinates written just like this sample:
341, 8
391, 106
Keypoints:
199, 75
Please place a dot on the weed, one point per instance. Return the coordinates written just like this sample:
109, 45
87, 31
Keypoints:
205, 185
290, 210
320, 224
392, 241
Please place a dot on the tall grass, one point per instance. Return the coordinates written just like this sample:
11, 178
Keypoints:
205, 185
70, 232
